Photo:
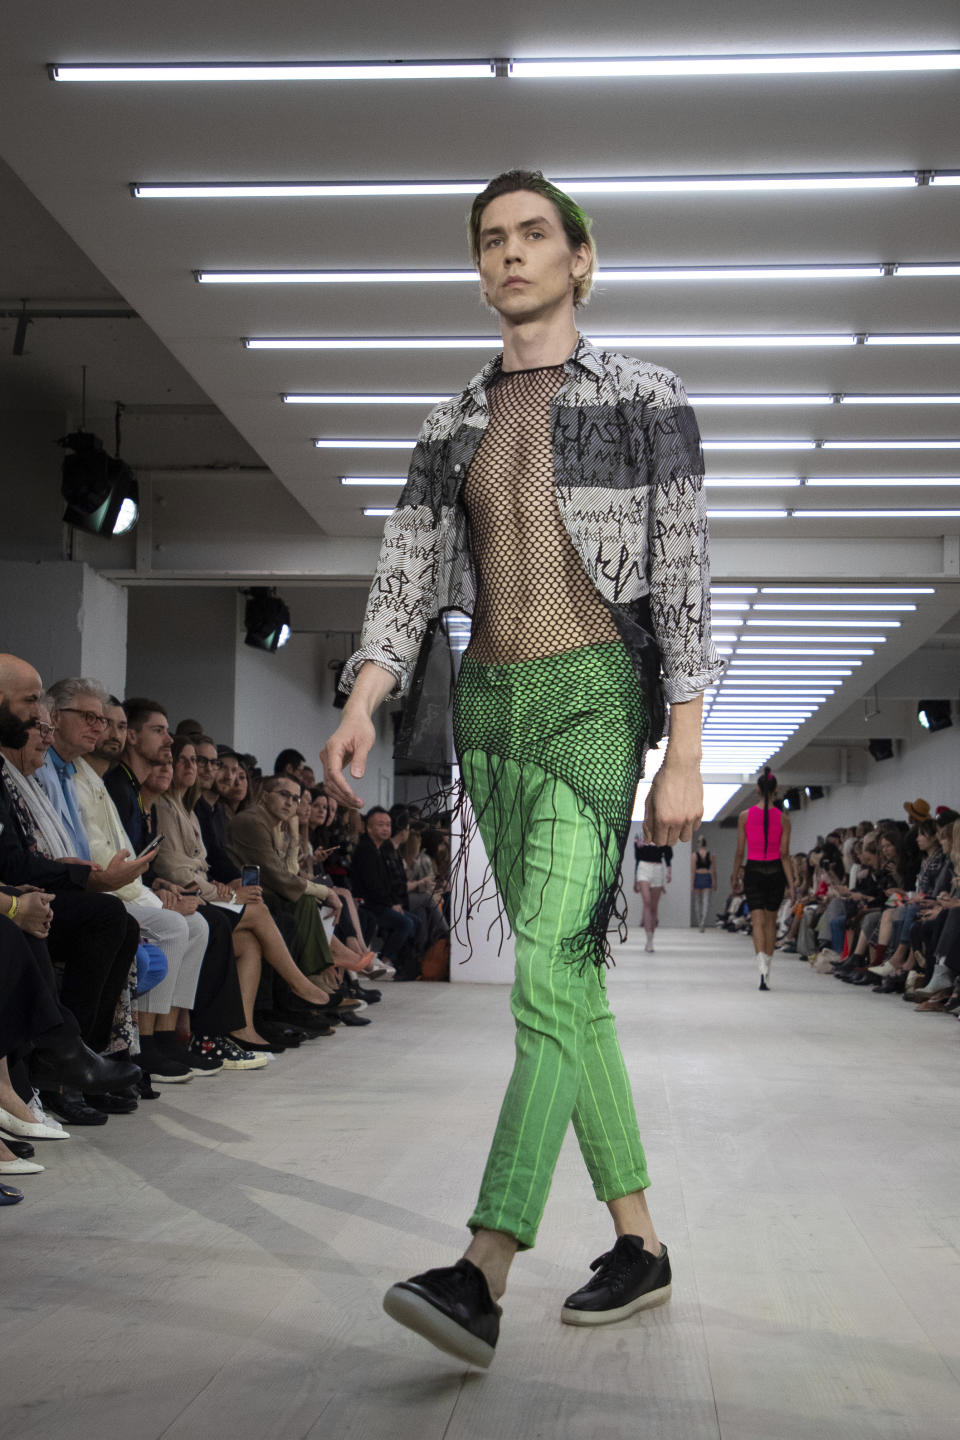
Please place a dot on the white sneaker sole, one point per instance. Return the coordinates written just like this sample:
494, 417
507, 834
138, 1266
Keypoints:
259, 1062
170, 1079
419, 1315
623, 1312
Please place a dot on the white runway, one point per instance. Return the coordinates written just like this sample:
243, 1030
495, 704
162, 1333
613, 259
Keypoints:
211, 1268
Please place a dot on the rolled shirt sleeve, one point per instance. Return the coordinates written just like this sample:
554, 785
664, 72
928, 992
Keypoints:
678, 549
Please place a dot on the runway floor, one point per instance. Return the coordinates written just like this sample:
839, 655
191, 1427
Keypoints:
212, 1267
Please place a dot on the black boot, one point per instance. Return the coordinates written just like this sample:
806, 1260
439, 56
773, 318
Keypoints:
77, 1067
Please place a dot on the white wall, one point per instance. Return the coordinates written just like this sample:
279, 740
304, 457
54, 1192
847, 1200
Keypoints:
927, 767
64, 619
182, 643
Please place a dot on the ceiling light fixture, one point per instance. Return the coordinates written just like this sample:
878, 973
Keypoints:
747, 514
817, 605
877, 514
890, 444
623, 274
840, 482
373, 479
841, 183
901, 399
379, 511
847, 590
762, 341
385, 399
647, 67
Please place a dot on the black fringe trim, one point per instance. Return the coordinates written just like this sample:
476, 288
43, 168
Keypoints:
591, 944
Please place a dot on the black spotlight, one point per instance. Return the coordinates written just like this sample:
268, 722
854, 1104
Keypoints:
267, 619
101, 490
881, 749
934, 714
791, 800
813, 792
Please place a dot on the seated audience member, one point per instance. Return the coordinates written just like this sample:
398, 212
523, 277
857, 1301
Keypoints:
236, 791
171, 923
289, 762
148, 740
423, 887
308, 776
260, 836
192, 729
211, 761
182, 859
379, 882
91, 937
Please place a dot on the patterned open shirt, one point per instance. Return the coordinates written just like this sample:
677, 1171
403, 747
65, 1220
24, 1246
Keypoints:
628, 469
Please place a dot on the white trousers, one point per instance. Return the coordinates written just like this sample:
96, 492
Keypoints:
183, 939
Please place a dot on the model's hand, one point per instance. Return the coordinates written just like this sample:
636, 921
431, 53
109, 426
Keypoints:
352, 742
674, 806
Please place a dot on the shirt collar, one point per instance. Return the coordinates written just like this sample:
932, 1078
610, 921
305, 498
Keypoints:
62, 767
585, 356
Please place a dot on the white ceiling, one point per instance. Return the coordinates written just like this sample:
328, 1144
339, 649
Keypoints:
77, 148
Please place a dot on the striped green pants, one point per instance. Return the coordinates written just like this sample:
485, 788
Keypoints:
550, 755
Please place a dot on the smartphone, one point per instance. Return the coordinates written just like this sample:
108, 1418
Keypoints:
250, 875
149, 848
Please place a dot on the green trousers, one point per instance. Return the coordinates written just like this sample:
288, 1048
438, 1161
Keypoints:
550, 754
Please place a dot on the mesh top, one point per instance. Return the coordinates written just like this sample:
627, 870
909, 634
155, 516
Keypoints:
534, 597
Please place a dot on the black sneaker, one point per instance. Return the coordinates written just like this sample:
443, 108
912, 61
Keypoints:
452, 1308
627, 1279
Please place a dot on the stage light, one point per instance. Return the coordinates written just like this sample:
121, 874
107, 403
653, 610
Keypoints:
266, 619
934, 714
813, 792
100, 490
881, 749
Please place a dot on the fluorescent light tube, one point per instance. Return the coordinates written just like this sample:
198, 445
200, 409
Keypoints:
492, 342
888, 481
237, 71
901, 399
653, 67
328, 444
947, 177
918, 271
791, 605
761, 444
934, 338
796, 639
605, 275
890, 445
879, 514
751, 401
847, 590
378, 510
385, 399
579, 185
786, 650
373, 479
816, 623
746, 514
733, 589
731, 604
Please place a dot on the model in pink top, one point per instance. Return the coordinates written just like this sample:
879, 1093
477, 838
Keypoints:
764, 833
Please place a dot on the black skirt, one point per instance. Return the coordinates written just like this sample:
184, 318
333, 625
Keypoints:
764, 884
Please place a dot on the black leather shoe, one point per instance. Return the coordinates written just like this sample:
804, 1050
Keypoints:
77, 1067
367, 993
452, 1308
112, 1104
351, 1019
627, 1279
70, 1106
21, 1148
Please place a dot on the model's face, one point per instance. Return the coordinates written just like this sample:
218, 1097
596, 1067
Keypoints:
527, 267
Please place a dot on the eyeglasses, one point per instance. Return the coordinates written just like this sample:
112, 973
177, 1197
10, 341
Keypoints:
44, 731
204, 763
89, 717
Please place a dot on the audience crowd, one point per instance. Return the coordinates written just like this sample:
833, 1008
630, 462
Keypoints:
878, 906
168, 912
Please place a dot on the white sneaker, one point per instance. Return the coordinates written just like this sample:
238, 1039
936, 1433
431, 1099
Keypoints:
885, 969
649, 947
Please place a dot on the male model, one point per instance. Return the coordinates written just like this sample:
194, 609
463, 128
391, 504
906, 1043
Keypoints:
558, 500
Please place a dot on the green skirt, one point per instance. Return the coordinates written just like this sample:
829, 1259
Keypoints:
576, 720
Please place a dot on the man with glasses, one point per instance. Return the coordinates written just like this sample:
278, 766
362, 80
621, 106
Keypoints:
210, 813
